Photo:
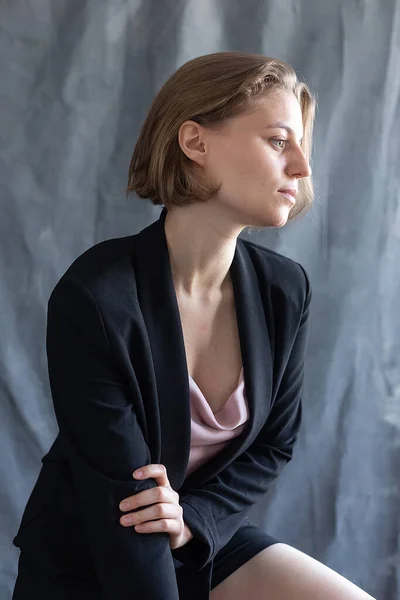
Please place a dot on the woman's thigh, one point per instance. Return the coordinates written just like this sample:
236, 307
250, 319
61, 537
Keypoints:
281, 572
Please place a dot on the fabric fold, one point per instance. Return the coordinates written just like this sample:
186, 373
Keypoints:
211, 432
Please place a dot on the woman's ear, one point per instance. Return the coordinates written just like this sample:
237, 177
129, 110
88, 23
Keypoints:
191, 138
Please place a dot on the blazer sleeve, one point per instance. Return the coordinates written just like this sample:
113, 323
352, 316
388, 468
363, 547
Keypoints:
215, 511
94, 411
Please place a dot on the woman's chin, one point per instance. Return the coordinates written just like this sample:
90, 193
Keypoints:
280, 218
271, 218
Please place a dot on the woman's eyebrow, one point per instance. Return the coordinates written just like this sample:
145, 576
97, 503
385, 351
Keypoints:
281, 125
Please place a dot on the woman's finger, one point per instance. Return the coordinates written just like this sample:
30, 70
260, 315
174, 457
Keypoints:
154, 512
170, 526
155, 471
156, 494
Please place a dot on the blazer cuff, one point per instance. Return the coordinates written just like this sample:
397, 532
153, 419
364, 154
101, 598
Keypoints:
198, 552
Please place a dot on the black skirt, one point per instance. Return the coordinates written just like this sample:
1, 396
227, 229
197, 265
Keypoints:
33, 584
246, 543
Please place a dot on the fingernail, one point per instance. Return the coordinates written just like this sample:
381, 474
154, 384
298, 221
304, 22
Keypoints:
138, 473
124, 505
127, 520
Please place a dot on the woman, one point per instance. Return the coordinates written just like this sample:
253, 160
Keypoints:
179, 351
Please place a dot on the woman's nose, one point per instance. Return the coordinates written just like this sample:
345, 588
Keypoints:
301, 167
307, 171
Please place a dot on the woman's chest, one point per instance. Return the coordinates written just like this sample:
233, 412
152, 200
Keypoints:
212, 347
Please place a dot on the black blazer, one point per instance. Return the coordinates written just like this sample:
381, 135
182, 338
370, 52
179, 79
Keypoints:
120, 387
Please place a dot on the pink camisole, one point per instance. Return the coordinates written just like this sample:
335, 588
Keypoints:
212, 431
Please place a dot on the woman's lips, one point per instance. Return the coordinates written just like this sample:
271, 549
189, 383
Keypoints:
289, 196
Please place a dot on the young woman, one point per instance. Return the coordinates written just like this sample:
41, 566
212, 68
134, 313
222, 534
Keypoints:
179, 351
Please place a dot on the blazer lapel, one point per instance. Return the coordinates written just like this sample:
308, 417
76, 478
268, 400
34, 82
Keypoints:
159, 306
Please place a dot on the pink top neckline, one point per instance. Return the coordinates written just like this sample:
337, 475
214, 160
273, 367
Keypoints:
211, 432
207, 406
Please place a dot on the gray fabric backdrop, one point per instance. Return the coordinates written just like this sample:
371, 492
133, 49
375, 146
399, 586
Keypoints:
77, 78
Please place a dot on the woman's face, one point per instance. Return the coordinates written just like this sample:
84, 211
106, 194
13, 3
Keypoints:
254, 156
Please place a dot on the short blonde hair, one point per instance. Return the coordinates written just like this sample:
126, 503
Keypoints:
210, 89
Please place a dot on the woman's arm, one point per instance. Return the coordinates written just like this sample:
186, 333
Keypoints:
216, 510
105, 444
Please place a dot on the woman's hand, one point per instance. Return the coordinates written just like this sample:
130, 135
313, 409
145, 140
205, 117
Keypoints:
165, 514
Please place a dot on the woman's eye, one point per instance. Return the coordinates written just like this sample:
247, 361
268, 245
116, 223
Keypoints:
279, 141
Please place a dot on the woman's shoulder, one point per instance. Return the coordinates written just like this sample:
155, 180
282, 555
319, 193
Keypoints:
104, 262
279, 271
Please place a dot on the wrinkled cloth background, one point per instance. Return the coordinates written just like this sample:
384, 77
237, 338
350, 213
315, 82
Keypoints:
77, 78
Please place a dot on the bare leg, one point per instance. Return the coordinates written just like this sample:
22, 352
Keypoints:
281, 572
